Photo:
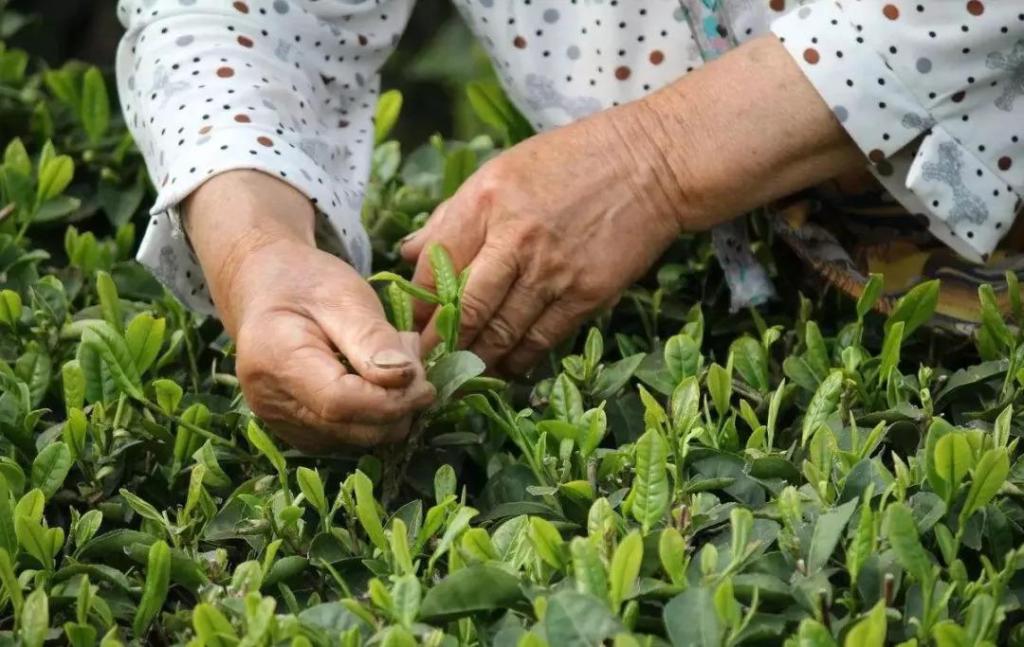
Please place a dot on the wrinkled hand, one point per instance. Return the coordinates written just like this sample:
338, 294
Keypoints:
292, 310
552, 230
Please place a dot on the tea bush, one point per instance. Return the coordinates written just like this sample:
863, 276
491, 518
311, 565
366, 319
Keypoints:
812, 474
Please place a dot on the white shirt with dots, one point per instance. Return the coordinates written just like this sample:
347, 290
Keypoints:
932, 92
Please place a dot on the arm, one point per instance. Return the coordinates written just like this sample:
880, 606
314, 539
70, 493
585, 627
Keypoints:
256, 120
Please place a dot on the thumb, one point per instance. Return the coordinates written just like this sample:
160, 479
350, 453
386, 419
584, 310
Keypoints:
372, 345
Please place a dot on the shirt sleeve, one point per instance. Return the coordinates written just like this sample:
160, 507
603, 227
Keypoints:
933, 93
286, 87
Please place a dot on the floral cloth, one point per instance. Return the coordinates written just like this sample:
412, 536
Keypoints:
933, 92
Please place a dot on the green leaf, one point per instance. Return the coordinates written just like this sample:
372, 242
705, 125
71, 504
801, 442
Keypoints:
682, 357
107, 344
16, 157
73, 381
144, 337
470, 590
452, 371
212, 628
828, 530
903, 538
400, 306
446, 281
10, 307
494, 109
35, 619
870, 631
817, 352
389, 106
650, 494
890, 356
690, 620
823, 404
915, 307
576, 620
565, 401
989, 474
719, 383
168, 395
55, 176
952, 460
312, 488
406, 286
615, 376
751, 361
624, 568
95, 108
366, 510
588, 569
869, 295
264, 445
158, 575
458, 166
547, 542
50, 468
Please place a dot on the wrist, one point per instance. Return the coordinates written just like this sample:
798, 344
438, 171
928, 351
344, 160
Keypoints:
236, 218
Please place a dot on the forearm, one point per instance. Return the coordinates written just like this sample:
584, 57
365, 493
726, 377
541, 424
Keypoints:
232, 216
741, 132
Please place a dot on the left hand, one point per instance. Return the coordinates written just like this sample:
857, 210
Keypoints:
558, 226
552, 230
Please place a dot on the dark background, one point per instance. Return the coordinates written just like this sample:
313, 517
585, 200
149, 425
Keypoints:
435, 59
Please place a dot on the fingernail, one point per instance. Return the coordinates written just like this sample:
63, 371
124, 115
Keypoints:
390, 359
406, 238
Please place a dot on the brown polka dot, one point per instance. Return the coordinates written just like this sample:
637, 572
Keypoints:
811, 55
241, 6
242, 118
657, 56
958, 96
622, 72
884, 168
362, 40
265, 141
891, 11
519, 42
225, 72
245, 41
975, 7
777, 5
1005, 163
876, 156
205, 129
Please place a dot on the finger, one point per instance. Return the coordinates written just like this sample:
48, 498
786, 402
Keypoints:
519, 313
558, 321
491, 275
359, 329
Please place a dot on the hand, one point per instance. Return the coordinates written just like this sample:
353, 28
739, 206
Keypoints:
552, 230
559, 225
291, 310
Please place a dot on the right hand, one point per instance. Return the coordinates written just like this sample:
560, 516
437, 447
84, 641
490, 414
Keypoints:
292, 309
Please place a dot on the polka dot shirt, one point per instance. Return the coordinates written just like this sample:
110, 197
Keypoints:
933, 92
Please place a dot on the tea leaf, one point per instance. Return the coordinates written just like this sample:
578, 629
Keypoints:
624, 568
989, 474
650, 485
158, 574
50, 468
915, 307
823, 404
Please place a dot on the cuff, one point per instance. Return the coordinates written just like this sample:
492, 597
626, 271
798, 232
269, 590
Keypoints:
165, 249
928, 170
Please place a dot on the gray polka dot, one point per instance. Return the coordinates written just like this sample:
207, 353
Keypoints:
184, 41
573, 52
187, 3
280, 6
551, 15
924, 65
841, 113
487, 3
804, 12
679, 15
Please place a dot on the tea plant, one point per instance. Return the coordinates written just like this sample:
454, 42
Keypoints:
678, 475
